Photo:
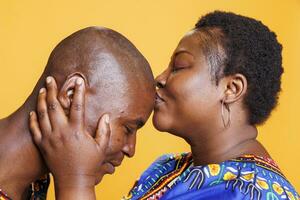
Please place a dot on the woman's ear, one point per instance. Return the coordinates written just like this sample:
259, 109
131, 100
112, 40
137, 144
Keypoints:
236, 87
66, 92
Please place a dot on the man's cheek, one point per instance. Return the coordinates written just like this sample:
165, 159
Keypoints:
115, 141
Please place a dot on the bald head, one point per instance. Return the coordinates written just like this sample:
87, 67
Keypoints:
117, 75
105, 59
95, 51
109, 62
118, 81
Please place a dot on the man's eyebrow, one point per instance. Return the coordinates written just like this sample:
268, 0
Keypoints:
139, 123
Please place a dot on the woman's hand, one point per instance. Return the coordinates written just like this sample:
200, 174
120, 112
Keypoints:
72, 155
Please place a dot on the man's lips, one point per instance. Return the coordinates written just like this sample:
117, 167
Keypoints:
115, 163
110, 166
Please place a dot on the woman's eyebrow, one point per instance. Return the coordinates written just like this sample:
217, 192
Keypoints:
182, 51
179, 52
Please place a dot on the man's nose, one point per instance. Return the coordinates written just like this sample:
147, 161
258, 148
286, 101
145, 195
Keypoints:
129, 147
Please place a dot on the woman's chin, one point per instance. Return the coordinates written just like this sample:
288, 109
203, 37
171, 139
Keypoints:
159, 123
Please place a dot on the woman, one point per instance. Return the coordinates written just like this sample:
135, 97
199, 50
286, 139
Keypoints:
223, 80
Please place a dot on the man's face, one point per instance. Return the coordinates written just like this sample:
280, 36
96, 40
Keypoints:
129, 108
118, 82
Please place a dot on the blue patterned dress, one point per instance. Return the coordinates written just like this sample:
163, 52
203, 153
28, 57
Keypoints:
173, 177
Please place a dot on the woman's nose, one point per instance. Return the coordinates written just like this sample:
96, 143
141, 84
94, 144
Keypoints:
161, 80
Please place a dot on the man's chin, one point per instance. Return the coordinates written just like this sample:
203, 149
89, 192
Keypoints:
99, 179
106, 168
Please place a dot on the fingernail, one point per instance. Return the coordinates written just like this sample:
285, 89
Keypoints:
48, 79
31, 113
79, 81
42, 90
106, 119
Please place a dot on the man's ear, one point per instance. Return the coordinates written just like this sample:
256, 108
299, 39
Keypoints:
235, 88
66, 92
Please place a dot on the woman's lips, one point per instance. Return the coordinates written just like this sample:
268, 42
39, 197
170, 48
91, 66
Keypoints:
158, 99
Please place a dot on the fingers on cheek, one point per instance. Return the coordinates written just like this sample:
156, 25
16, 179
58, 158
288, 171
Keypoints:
51, 87
50, 145
55, 141
34, 127
42, 108
52, 103
42, 111
45, 147
32, 121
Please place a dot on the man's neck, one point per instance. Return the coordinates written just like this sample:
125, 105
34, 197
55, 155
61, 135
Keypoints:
20, 160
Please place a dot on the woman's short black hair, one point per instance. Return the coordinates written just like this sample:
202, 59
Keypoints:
250, 49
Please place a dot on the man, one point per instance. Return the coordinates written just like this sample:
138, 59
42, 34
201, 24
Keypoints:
118, 81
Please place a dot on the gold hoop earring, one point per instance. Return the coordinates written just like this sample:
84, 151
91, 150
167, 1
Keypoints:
226, 124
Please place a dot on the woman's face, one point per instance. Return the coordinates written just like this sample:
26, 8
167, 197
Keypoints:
187, 100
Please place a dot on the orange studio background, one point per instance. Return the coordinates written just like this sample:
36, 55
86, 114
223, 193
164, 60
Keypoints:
30, 29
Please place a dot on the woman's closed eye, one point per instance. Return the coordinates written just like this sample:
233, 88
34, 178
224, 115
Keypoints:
177, 68
180, 64
181, 60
